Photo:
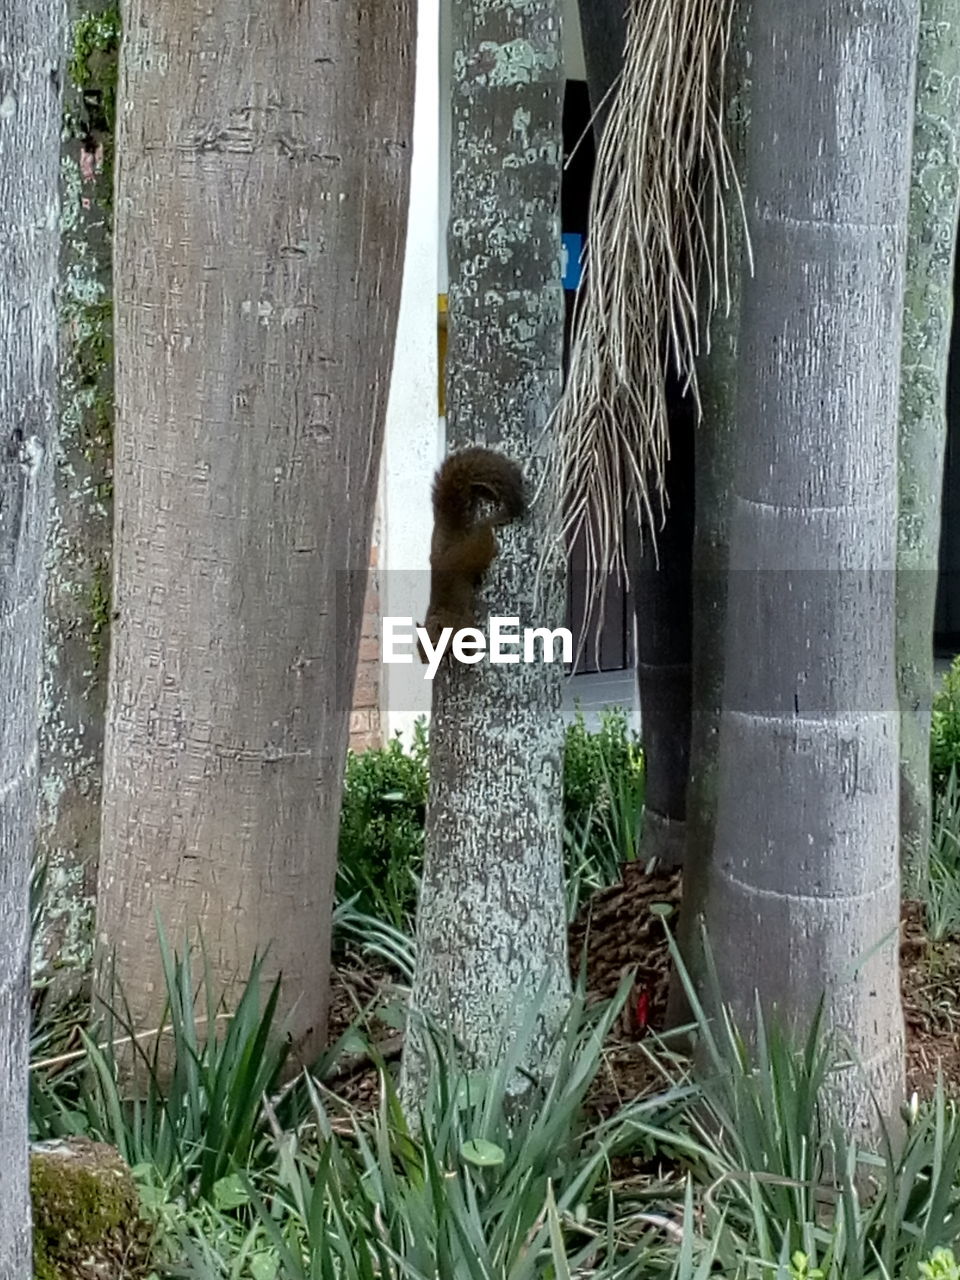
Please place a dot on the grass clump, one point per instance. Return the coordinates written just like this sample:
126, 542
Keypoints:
942, 898
603, 794
744, 1172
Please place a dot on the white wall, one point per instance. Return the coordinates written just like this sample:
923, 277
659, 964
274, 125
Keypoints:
573, 63
413, 442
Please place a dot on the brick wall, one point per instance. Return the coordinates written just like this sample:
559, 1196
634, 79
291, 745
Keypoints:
365, 714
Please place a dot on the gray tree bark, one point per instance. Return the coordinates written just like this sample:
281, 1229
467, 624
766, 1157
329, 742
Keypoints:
263, 167
31, 70
927, 324
660, 564
77, 606
491, 930
714, 465
804, 892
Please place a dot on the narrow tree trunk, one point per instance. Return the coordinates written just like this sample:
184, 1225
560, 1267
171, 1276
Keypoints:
714, 464
31, 70
77, 612
263, 163
804, 887
660, 570
713, 476
491, 929
927, 324
660, 574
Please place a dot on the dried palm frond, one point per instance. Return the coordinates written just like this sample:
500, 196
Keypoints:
655, 269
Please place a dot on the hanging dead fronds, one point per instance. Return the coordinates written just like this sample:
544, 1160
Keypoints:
655, 268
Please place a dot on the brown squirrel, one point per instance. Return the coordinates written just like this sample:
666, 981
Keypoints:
463, 545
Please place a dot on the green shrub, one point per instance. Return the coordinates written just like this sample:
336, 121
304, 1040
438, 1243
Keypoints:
183, 1107
381, 828
743, 1173
384, 807
945, 727
603, 790
592, 759
486, 1186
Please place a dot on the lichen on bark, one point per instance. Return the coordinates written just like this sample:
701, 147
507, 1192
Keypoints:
77, 605
491, 921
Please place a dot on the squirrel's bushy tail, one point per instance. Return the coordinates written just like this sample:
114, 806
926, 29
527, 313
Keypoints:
468, 477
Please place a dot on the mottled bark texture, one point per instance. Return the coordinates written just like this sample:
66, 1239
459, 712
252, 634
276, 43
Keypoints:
263, 167
927, 324
77, 607
659, 570
804, 892
491, 930
31, 71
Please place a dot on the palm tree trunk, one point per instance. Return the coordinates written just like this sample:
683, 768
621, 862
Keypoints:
927, 324
491, 930
713, 485
803, 895
603, 30
660, 571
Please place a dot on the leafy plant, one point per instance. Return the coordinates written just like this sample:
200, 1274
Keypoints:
788, 1190
488, 1186
941, 1265
942, 904
381, 829
603, 804
945, 727
373, 937
745, 1174
594, 763
185, 1101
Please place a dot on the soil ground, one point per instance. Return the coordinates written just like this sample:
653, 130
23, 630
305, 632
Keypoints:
621, 929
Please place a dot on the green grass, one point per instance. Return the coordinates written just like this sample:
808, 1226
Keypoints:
743, 1174
942, 898
945, 727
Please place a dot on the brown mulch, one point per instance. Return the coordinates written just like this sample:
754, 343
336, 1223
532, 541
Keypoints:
364, 992
930, 982
621, 929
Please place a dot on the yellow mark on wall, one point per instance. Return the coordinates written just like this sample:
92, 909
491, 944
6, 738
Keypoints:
442, 353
